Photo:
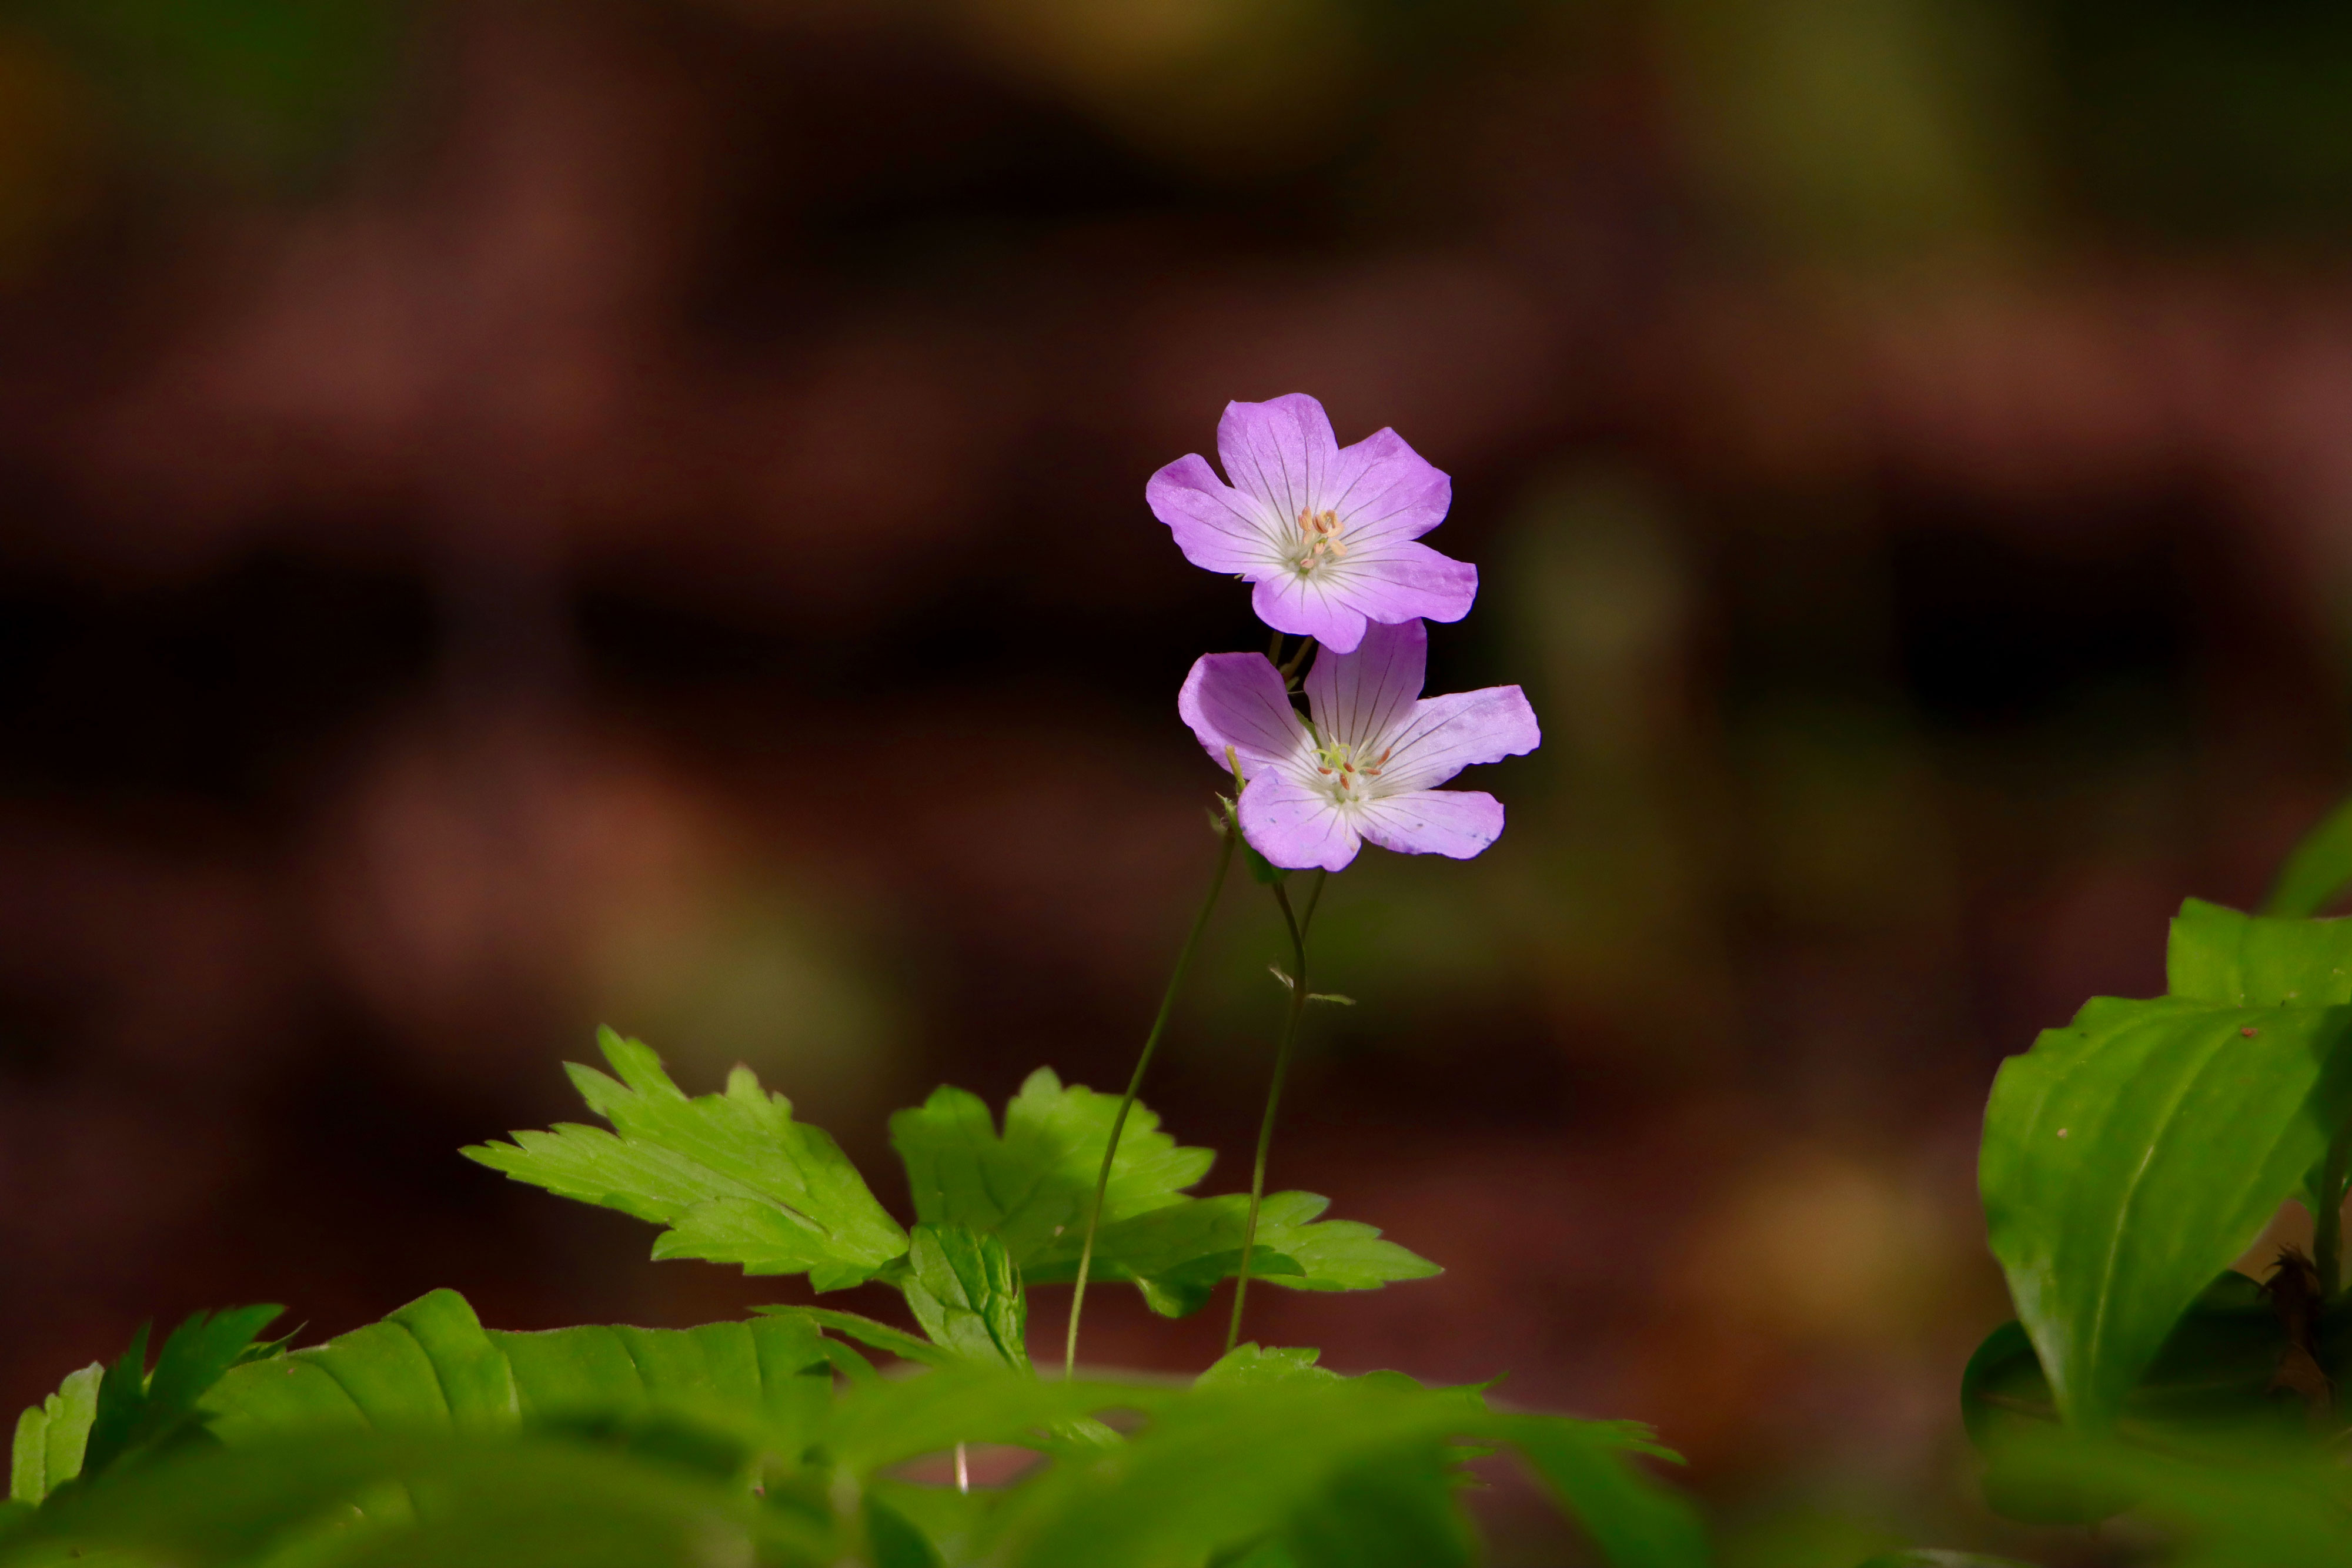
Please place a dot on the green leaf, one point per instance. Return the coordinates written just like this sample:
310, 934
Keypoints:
2220, 955
1248, 1364
431, 1367
964, 1290
50, 1436
516, 1503
1031, 1185
2128, 1157
1229, 1469
1928, 1557
735, 1178
1177, 1254
867, 1332
1636, 1522
894, 1421
137, 1411
2316, 869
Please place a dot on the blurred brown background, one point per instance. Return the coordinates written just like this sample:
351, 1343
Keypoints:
516, 514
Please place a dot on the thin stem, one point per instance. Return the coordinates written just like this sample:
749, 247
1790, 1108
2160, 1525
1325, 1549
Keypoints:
1231, 833
1290, 670
1298, 927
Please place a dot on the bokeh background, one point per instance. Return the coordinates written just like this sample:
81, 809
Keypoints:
517, 514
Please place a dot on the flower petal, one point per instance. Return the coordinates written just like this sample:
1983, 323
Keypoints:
1383, 489
1444, 734
1403, 581
1296, 827
1282, 452
1216, 526
1309, 607
1239, 700
1457, 823
1365, 695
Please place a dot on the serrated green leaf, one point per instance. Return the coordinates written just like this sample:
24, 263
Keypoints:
736, 1178
1636, 1522
1032, 1185
51, 1437
2128, 1157
137, 1410
963, 1288
2217, 955
2316, 869
1177, 1254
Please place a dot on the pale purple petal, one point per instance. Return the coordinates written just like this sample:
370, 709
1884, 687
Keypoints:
1404, 580
1309, 607
1281, 451
1383, 489
1296, 827
1365, 695
1453, 822
1239, 700
1216, 525
1444, 734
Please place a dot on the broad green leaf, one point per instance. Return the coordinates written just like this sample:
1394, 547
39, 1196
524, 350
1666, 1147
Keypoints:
519, 1503
1249, 1363
1032, 1185
963, 1288
2316, 869
431, 1366
50, 1436
1393, 1509
2128, 1157
2220, 955
735, 1178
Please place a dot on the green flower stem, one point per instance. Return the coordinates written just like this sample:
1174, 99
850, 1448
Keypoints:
1229, 834
1274, 1091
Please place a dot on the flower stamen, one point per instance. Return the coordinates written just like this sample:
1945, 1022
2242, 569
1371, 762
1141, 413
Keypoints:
1319, 538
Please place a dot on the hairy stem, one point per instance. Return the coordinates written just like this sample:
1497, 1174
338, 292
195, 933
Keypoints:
1229, 834
1298, 926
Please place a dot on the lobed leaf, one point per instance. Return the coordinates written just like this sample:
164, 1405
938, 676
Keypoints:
1031, 1185
735, 1178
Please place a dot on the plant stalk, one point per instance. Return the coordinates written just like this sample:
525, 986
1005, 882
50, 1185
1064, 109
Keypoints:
1274, 1091
1228, 837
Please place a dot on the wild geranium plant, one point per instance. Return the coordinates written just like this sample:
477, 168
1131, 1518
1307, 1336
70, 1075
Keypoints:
427, 1438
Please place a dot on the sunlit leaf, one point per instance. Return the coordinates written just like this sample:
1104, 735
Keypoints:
736, 1178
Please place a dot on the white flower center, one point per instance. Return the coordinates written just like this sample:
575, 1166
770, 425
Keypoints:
1319, 539
1346, 772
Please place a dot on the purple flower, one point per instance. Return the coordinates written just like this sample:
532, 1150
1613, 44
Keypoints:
1366, 762
1328, 533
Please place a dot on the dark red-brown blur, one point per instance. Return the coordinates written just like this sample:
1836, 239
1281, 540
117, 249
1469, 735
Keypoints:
521, 515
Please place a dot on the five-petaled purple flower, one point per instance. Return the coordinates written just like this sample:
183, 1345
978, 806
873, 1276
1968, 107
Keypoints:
1329, 534
1366, 762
